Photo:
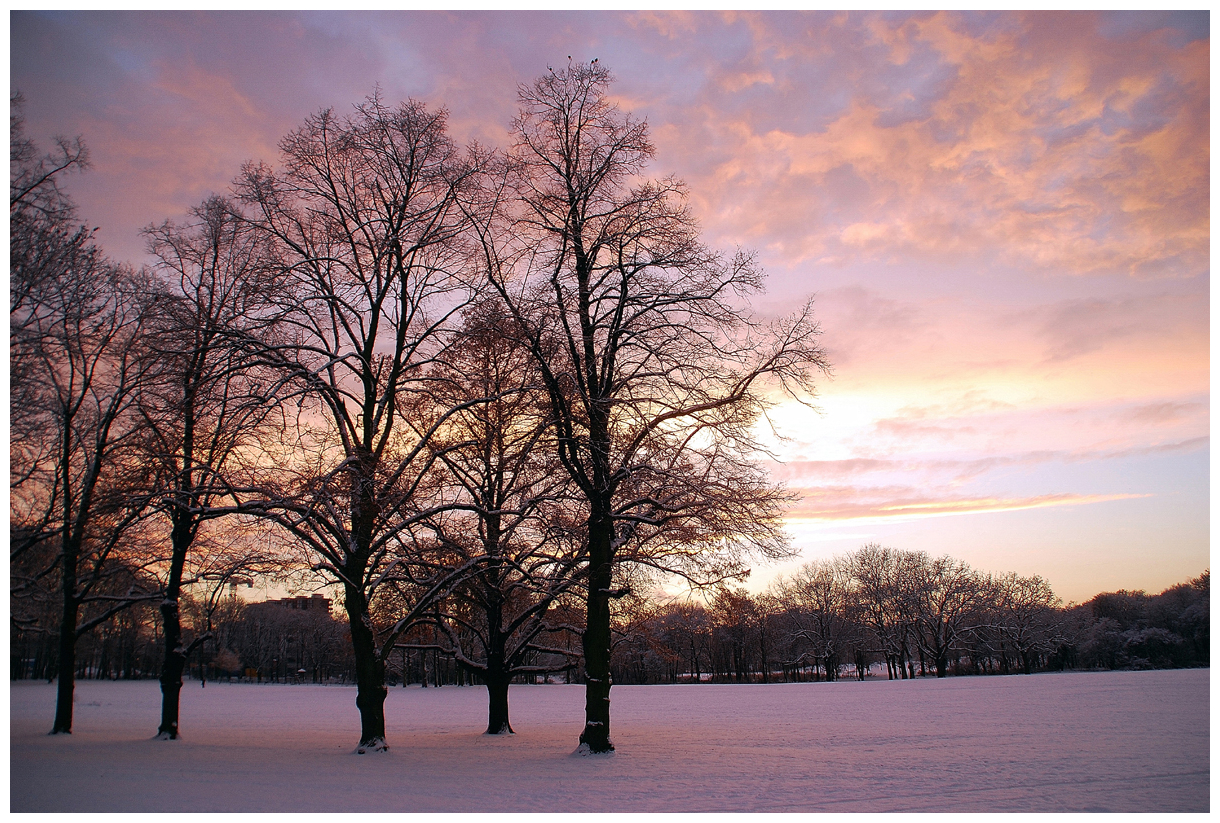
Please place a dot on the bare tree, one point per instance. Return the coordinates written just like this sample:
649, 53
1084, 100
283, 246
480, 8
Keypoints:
365, 229
77, 324
86, 350
205, 407
644, 346
875, 571
816, 599
739, 625
45, 242
508, 516
1026, 608
945, 596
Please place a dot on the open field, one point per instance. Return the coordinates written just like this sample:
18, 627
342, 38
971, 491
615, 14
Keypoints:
1112, 741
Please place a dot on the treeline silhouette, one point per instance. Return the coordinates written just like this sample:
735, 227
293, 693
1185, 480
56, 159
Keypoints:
823, 624
811, 626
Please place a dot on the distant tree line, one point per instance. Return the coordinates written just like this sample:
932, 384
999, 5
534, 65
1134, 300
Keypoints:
900, 615
1135, 630
810, 626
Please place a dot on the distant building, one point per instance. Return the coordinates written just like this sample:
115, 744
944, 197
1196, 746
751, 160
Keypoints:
313, 602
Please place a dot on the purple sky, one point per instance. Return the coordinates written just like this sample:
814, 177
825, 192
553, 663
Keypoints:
1004, 216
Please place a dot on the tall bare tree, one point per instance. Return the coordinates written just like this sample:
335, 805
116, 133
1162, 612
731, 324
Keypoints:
1027, 616
77, 335
639, 331
509, 520
205, 406
817, 599
876, 572
45, 242
365, 229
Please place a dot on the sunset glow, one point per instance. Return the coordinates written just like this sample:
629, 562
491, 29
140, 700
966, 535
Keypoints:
1005, 219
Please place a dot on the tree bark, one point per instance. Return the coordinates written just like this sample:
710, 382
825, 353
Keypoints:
370, 669
497, 704
67, 656
596, 638
171, 670
370, 673
71, 607
174, 661
497, 675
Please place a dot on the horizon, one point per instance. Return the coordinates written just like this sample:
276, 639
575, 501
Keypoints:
1004, 217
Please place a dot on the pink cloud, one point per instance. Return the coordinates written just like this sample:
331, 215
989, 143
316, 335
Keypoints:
1059, 153
953, 470
849, 503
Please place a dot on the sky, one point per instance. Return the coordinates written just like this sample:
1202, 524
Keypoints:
1004, 219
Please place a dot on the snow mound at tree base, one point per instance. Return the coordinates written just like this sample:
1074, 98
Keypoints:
374, 746
583, 750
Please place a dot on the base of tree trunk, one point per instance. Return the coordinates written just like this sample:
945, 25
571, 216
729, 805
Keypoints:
497, 705
585, 750
377, 744
594, 741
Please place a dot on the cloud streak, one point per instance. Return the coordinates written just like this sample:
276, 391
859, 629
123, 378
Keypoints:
849, 503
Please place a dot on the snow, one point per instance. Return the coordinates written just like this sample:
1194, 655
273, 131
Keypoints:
1104, 741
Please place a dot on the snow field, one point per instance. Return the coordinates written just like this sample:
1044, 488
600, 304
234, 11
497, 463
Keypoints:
1106, 741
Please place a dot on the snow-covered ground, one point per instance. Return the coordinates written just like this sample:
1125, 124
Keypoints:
1114, 741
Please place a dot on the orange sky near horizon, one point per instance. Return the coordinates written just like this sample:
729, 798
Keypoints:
1004, 216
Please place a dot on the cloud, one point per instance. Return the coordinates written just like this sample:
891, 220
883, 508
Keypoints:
952, 471
1163, 324
1097, 431
861, 325
824, 137
1157, 413
1017, 141
848, 503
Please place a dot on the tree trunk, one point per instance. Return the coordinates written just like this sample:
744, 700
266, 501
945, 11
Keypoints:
171, 670
596, 638
67, 659
497, 704
174, 661
370, 669
71, 606
497, 675
762, 650
370, 673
